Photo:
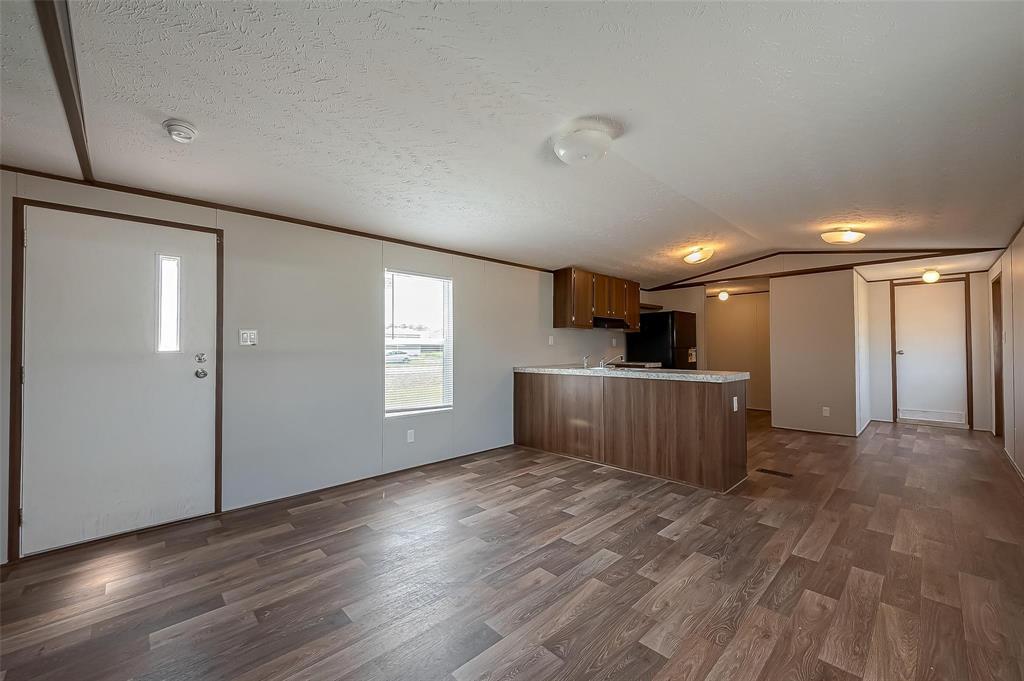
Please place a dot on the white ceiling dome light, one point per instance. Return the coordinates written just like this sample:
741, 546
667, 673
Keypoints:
584, 143
841, 237
930, 276
723, 296
180, 131
698, 254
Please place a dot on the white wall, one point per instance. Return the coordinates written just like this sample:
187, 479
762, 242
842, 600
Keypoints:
862, 327
684, 300
981, 350
879, 351
813, 352
739, 339
304, 409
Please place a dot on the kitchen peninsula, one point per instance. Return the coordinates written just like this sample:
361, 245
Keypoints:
688, 426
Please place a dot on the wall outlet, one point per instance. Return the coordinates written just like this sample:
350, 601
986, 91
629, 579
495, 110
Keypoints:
410, 435
551, 340
735, 403
826, 411
615, 341
247, 337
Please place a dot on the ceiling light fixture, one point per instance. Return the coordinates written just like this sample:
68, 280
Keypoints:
698, 255
181, 132
582, 145
841, 237
723, 296
930, 276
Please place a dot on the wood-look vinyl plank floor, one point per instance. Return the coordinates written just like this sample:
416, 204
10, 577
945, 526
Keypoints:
897, 555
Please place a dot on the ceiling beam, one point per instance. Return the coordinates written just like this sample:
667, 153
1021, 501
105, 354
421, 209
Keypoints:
915, 254
55, 23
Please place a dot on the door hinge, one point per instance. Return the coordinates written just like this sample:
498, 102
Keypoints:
24, 238
23, 375
21, 517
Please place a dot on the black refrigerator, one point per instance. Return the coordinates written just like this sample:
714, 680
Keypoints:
666, 337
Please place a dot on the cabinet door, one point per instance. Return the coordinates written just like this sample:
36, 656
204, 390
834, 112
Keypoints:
618, 298
602, 295
582, 299
633, 306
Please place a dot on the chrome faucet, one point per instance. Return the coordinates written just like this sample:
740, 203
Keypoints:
616, 358
586, 361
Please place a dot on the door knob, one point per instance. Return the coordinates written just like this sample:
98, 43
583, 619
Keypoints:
899, 352
201, 373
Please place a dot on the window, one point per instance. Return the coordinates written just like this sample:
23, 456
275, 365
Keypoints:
417, 342
168, 303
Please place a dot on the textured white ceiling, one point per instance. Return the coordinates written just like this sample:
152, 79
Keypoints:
33, 130
749, 127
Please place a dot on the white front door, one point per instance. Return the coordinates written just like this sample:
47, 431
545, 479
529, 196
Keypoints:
931, 353
118, 429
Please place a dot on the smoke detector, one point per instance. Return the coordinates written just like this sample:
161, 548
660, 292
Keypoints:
180, 131
585, 141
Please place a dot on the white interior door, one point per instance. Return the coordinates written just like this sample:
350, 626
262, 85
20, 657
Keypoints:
931, 353
118, 429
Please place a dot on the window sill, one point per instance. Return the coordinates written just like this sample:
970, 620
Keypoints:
415, 412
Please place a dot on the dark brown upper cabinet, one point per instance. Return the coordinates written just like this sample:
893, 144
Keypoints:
574, 299
580, 296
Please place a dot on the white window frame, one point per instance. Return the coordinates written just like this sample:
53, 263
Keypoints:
448, 361
160, 259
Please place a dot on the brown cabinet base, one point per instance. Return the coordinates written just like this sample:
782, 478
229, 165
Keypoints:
679, 430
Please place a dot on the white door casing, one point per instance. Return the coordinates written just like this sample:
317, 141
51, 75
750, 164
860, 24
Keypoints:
931, 353
116, 436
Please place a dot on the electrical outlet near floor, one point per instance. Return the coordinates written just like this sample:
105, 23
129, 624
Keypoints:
410, 435
826, 411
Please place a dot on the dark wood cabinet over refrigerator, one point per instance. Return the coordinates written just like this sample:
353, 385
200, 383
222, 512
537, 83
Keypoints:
586, 299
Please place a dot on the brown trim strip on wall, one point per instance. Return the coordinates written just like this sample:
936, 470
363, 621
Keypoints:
262, 214
20, 206
55, 24
970, 367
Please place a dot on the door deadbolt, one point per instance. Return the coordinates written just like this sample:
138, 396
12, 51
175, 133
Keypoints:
201, 373
200, 357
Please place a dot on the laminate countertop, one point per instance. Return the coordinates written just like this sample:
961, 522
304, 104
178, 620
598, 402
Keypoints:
692, 375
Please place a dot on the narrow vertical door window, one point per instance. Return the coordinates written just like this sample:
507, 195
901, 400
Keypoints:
168, 303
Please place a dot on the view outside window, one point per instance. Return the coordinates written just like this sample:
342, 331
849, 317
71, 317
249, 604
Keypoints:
418, 367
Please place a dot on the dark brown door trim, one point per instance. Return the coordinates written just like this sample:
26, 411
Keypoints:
17, 353
966, 279
997, 355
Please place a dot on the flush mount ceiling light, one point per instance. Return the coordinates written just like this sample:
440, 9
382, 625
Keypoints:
930, 276
840, 237
723, 296
698, 255
582, 145
181, 132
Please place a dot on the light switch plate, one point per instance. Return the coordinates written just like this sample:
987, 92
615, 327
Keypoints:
410, 435
615, 341
826, 411
248, 337
551, 340
735, 403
